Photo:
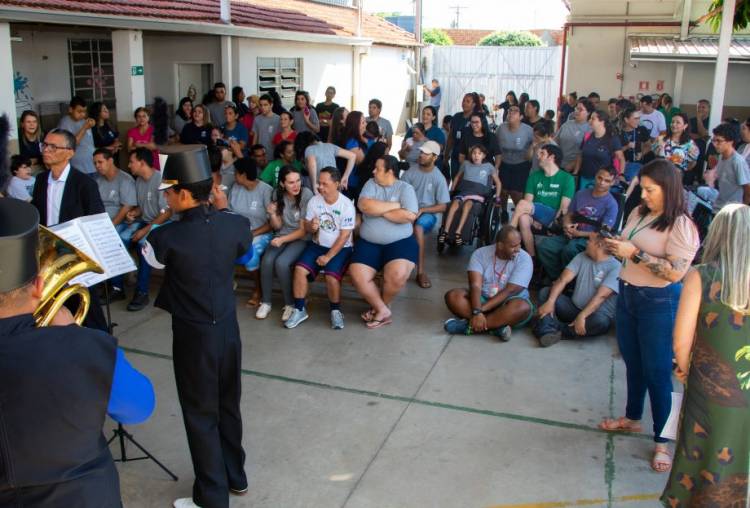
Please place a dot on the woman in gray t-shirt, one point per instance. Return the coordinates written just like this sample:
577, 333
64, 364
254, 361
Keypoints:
305, 117
286, 215
410, 148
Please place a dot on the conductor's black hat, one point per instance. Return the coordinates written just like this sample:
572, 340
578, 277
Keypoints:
186, 166
19, 239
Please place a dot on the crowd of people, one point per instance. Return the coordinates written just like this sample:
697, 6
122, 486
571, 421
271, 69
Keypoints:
603, 212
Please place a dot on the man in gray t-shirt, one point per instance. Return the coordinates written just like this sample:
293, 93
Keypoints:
251, 203
265, 128
591, 309
570, 137
375, 107
116, 188
219, 104
377, 228
733, 176
77, 124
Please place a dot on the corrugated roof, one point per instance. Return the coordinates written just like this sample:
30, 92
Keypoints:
288, 15
694, 49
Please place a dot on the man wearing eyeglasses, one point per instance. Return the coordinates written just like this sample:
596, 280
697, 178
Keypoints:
63, 193
729, 181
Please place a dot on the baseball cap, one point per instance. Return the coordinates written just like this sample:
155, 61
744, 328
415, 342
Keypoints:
430, 147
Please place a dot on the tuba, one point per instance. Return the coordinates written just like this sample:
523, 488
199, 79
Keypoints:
59, 263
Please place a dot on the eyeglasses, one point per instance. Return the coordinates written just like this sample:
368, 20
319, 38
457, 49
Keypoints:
52, 147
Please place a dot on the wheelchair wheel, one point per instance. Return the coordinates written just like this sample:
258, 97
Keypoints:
490, 224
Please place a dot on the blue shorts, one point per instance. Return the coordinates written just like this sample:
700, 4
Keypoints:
251, 259
377, 256
544, 214
336, 267
427, 221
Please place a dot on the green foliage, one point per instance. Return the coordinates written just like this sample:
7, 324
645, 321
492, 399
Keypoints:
741, 15
387, 14
437, 37
511, 39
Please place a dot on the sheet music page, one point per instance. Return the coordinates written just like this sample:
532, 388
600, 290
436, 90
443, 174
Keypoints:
96, 236
673, 421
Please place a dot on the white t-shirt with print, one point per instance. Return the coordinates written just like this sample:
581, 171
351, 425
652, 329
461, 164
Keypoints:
333, 219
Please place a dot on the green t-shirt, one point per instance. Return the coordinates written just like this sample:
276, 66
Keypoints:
549, 190
270, 175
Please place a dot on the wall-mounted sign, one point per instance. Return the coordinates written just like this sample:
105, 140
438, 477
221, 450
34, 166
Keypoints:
643, 86
136, 70
660, 85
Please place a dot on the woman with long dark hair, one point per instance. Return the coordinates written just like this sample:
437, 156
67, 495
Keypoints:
600, 149
198, 130
336, 132
656, 246
105, 136
183, 114
142, 135
478, 134
510, 100
305, 116
632, 138
286, 215
677, 146
238, 97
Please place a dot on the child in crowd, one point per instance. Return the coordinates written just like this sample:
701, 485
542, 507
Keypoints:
22, 183
372, 133
472, 184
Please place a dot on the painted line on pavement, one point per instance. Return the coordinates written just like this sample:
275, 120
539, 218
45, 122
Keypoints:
609, 451
581, 502
412, 400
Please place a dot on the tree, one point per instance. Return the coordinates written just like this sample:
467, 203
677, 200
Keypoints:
437, 37
741, 15
511, 39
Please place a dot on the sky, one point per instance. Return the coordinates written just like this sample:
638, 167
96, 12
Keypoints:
484, 14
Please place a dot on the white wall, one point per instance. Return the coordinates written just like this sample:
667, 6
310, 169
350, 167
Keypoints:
161, 52
385, 77
323, 65
40, 59
597, 54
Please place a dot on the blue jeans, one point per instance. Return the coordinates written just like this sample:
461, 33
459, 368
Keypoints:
126, 232
645, 319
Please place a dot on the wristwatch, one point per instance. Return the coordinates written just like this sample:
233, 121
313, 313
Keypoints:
638, 256
476, 312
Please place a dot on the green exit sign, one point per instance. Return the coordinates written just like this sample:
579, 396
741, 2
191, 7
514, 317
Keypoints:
136, 70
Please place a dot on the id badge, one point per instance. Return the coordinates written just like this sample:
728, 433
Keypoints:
494, 290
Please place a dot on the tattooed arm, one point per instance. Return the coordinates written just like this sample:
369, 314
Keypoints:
671, 268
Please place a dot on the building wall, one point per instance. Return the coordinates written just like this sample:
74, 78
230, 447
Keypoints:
161, 53
597, 54
385, 76
323, 65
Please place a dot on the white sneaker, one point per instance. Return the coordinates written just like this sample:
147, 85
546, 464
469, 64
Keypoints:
286, 312
185, 502
263, 310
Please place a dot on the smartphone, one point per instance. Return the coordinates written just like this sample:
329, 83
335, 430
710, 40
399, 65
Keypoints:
307, 110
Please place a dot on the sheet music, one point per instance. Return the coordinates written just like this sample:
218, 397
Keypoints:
673, 421
96, 236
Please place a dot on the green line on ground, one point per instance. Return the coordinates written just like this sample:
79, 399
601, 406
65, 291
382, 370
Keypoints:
609, 463
400, 398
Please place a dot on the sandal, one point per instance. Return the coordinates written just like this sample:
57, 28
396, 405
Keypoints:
458, 242
253, 301
368, 315
424, 281
621, 424
377, 323
442, 237
661, 461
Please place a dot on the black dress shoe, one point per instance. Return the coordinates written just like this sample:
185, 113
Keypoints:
237, 492
139, 302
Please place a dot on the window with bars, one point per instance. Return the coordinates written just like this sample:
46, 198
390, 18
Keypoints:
281, 74
92, 74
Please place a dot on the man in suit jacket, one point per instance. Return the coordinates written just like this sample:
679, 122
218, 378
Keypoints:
62, 193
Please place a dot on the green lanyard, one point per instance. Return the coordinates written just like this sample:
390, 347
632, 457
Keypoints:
637, 230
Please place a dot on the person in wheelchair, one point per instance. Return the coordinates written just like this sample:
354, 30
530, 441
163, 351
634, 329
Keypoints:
590, 207
546, 198
471, 186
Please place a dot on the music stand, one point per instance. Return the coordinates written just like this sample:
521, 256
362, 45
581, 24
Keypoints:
120, 432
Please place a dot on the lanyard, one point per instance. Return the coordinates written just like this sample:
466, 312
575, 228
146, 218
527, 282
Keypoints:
499, 276
637, 230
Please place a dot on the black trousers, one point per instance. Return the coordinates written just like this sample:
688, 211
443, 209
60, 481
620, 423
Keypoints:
95, 317
207, 360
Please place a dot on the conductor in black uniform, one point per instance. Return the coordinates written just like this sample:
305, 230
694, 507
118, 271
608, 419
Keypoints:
197, 253
54, 387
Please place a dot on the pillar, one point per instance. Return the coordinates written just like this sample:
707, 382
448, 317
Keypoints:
130, 87
7, 88
226, 63
722, 64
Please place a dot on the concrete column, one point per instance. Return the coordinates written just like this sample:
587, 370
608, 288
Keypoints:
678, 78
7, 88
226, 62
722, 63
130, 87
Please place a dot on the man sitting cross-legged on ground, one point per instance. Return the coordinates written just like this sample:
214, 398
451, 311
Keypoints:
594, 204
591, 309
330, 218
498, 298
547, 196
433, 196
386, 240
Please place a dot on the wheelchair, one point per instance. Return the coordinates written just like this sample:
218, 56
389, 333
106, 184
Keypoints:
481, 226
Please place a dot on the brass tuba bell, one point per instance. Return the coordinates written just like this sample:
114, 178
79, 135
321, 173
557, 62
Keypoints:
59, 263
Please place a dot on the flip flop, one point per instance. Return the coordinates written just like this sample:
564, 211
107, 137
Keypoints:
367, 315
619, 425
662, 461
377, 323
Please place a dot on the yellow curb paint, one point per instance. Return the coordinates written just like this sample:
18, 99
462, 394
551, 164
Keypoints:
579, 502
